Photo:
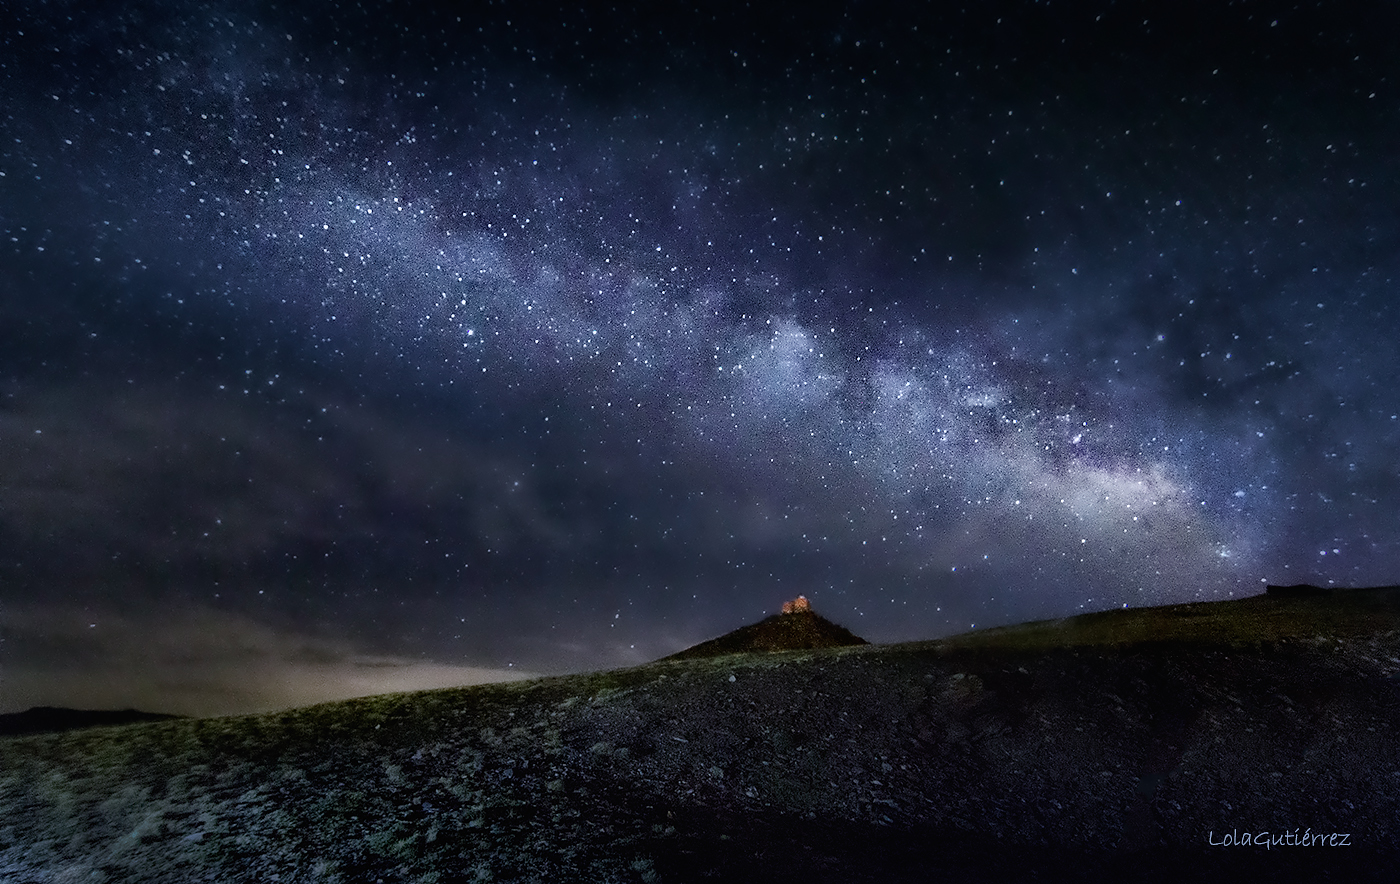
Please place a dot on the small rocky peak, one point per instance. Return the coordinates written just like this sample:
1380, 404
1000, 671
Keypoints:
797, 605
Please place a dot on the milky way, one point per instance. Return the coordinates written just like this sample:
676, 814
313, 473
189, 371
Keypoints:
563, 341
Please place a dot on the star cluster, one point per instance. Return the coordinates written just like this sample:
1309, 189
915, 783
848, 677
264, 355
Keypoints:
574, 338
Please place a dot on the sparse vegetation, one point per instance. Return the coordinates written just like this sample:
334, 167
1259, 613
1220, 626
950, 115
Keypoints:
1119, 745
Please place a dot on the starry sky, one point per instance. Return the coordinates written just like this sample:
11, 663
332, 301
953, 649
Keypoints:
360, 347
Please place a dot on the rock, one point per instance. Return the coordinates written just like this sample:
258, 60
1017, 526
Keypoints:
797, 605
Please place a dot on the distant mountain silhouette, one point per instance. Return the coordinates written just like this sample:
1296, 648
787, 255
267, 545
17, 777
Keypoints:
53, 719
1296, 591
798, 628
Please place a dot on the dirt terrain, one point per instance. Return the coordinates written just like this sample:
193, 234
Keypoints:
1131, 745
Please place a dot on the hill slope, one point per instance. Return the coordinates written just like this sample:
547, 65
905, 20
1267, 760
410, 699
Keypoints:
797, 630
1119, 746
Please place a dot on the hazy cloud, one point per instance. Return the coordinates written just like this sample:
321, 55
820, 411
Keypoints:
195, 661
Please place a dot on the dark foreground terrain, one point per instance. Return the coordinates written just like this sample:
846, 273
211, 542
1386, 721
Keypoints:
53, 719
1120, 746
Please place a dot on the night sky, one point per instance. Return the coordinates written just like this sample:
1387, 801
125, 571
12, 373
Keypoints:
356, 347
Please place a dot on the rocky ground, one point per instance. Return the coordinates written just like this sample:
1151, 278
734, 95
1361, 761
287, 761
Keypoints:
1104, 749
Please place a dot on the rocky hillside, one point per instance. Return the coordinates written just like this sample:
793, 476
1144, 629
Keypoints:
1130, 745
797, 628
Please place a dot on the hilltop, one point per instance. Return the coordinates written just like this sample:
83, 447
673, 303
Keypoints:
1126, 745
797, 628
